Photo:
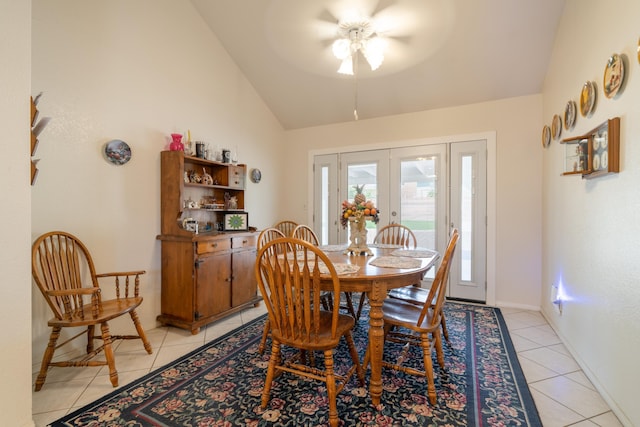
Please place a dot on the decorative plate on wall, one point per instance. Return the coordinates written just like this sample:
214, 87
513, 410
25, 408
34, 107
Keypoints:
256, 175
546, 136
570, 112
556, 126
117, 152
613, 76
588, 98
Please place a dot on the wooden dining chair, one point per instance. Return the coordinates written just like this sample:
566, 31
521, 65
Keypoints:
288, 274
392, 234
418, 295
65, 274
265, 236
396, 234
286, 227
306, 233
408, 323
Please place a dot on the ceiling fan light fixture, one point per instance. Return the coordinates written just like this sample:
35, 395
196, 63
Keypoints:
373, 51
346, 67
354, 37
341, 49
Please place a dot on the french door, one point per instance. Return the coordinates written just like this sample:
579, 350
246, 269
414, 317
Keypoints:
429, 188
468, 207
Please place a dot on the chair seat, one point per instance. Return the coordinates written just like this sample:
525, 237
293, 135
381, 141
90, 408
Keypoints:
417, 295
110, 310
324, 340
413, 294
397, 312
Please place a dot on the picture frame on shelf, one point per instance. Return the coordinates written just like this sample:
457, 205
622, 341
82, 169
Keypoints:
235, 221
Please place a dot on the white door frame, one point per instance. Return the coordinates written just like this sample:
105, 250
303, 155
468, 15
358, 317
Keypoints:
490, 137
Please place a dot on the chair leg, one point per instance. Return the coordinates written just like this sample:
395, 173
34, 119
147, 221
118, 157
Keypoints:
90, 337
141, 334
47, 356
354, 356
438, 345
265, 334
108, 353
350, 308
271, 370
331, 388
445, 332
428, 368
363, 297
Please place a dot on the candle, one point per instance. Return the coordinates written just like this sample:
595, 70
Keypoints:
188, 135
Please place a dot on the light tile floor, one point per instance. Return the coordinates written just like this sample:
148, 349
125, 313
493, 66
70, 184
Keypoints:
563, 394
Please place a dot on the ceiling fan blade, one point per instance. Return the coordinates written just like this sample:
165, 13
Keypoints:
324, 30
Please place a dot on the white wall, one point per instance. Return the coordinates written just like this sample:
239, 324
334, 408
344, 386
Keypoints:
135, 71
517, 123
590, 227
15, 292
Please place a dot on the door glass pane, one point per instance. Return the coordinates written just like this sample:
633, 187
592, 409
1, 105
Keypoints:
466, 216
324, 212
418, 202
364, 174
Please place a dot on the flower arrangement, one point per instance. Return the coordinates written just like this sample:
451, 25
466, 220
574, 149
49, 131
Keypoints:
359, 208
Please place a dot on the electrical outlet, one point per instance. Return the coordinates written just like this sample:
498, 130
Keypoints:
556, 297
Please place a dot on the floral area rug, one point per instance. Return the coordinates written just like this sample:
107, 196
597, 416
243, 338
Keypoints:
220, 384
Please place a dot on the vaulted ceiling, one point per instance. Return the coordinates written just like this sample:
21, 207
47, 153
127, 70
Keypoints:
440, 53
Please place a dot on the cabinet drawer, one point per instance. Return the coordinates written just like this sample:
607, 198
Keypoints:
213, 246
244, 242
236, 177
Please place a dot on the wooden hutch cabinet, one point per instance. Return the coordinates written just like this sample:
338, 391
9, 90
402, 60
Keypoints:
206, 273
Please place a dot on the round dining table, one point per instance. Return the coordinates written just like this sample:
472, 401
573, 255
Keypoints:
376, 281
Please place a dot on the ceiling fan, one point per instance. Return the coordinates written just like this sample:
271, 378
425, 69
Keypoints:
304, 33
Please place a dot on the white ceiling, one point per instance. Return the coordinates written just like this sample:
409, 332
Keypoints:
441, 53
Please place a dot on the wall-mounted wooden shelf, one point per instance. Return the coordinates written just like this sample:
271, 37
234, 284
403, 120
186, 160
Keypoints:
596, 153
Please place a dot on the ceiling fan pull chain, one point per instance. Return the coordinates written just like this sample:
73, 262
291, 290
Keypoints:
355, 94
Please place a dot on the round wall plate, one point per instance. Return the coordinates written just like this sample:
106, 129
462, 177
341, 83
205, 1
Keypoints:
570, 113
546, 136
256, 175
117, 152
614, 75
588, 99
556, 126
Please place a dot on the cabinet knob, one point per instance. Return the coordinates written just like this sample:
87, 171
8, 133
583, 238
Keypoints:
244, 242
215, 245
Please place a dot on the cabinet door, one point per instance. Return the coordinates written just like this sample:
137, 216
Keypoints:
213, 284
245, 285
178, 293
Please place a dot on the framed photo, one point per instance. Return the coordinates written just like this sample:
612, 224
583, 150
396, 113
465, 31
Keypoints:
235, 221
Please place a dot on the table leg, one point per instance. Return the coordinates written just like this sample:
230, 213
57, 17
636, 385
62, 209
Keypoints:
376, 339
